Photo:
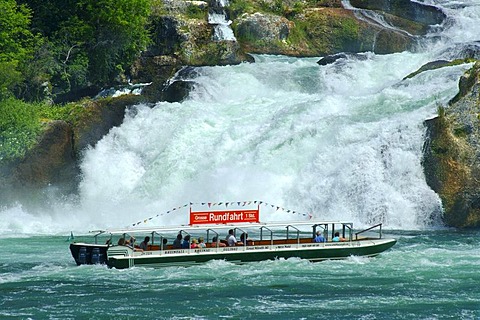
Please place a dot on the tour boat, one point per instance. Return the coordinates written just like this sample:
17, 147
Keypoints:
265, 241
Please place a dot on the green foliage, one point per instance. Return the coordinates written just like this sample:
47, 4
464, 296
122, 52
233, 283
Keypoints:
85, 43
21, 124
238, 7
441, 111
195, 12
16, 44
9, 77
115, 33
19, 127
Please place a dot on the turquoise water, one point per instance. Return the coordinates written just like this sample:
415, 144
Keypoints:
426, 275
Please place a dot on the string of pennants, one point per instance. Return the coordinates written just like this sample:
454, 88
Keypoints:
225, 204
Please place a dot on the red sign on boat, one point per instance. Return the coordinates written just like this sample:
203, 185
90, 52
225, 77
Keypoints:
224, 216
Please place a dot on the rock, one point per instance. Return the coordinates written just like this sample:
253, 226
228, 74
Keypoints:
48, 169
315, 32
437, 65
429, 66
98, 117
451, 154
407, 9
463, 51
342, 55
51, 161
260, 26
180, 41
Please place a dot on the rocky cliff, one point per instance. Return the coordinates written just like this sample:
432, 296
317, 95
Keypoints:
452, 153
186, 33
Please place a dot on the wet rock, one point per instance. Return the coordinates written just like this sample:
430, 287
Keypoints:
51, 161
463, 51
429, 66
334, 57
260, 26
451, 154
410, 10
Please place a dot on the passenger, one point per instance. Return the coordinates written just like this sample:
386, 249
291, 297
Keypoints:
337, 238
186, 242
194, 244
319, 238
215, 243
231, 240
165, 241
144, 243
177, 243
201, 243
244, 239
123, 242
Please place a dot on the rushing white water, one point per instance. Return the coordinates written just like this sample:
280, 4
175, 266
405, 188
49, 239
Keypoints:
342, 141
221, 25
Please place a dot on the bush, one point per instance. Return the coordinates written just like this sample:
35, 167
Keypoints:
21, 124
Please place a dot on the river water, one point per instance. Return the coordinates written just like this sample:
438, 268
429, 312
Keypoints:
426, 275
342, 141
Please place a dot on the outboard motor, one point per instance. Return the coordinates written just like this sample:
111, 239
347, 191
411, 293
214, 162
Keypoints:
95, 255
82, 255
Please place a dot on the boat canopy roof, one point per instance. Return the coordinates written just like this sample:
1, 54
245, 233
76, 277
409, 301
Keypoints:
189, 228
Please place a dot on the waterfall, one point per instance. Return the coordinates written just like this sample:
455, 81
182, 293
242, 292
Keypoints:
217, 17
341, 141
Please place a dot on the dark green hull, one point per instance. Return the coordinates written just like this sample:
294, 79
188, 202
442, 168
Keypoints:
195, 256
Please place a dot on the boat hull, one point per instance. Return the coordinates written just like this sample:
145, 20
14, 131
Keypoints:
85, 253
121, 258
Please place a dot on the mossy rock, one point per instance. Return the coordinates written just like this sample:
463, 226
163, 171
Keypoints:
91, 120
451, 155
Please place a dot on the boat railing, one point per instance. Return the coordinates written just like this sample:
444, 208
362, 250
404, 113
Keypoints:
97, 234
296, 229
208, 235
271, 234
350, 230
379, 225
235, 231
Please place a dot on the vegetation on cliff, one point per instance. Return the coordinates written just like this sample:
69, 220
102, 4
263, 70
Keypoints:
49, 49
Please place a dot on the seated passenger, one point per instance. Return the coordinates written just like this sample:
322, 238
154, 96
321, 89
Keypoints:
144, 243
186, 242
201, 243
231, 240
216, 243
194, 244
337, 238
244, 239
177, 243
126, 243
165, 241
319, 238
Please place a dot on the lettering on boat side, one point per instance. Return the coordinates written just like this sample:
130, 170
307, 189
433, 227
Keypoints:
174, 251
284, 247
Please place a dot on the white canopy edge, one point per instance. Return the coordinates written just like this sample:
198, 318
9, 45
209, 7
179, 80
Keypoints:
189, 228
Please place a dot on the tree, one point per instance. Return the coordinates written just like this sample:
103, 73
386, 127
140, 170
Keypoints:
16, 43
117, 33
